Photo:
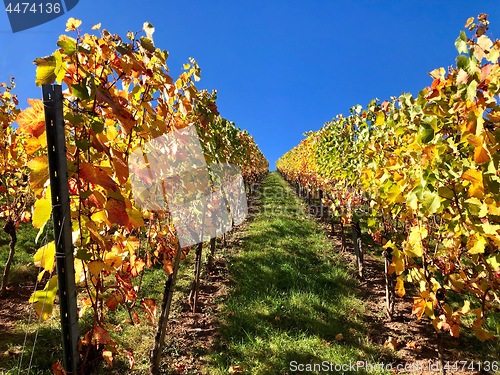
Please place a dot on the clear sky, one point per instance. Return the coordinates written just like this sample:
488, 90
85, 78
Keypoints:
281, 67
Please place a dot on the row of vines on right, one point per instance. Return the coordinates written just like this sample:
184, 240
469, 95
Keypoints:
421, 175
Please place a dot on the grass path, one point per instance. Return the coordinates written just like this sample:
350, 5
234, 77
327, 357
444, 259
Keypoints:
290, 295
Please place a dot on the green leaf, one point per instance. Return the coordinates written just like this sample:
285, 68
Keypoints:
80, 91
83, 255
412, 200
467, 63
83, 144
461, 43
68, 44
97, 126
476, 207
60, 70
45, 67
446, 192
426, 134
147, 44
431, 202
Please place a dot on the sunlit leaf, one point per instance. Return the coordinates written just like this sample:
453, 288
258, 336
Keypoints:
45, 70
45, 257
42, 210
43, 300
32, 120
400, 286
68, 44
72, 24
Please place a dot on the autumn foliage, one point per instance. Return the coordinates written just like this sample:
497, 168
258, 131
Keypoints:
118, 95
421, 173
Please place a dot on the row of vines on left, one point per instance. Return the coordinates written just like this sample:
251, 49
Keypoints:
119, 95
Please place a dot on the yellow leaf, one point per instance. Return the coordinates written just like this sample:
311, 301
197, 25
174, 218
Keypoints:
400, 286
42, 210
484, 42
399, 266
135, 217
45, 70
100, 217
469, 21
476, 244
45, 256
43, 300
457, 282
113, 259
79, 271
39, 172
475, 177
465, 309
235, 370
95, 267
73, 24
380, 119
96, 26
414, 242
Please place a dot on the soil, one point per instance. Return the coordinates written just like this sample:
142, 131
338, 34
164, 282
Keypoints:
14, 306
193, 334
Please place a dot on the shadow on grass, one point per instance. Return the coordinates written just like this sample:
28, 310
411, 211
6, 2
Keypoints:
15, 360
289, 301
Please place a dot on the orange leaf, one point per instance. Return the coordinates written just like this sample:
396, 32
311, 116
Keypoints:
114, 300
108, 357
32, 120
418, 307
97, 176
57, 368
149, 306
481, 155
475, 177
101, 336
117, 212
392, 343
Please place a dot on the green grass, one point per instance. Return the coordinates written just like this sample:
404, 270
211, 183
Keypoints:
291, 295
22, 268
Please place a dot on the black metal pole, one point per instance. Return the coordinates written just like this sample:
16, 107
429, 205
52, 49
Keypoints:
58, 169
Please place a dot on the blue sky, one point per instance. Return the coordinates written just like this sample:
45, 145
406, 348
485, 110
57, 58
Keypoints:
281, 67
